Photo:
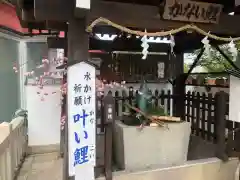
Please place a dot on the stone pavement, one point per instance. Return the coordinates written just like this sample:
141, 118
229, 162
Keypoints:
49, 167
41, 167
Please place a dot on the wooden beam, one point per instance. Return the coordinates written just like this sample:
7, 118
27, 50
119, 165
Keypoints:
36, 25
20, 13
129, 15
142, 16
56, 42
55, 25
54, 10
28, 15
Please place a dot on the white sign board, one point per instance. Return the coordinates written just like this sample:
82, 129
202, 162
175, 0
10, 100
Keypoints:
234, 100
192, 11
81, 118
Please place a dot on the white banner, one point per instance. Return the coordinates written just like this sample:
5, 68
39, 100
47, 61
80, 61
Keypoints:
81, 117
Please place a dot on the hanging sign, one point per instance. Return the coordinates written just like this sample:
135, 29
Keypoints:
81, 119
192, 11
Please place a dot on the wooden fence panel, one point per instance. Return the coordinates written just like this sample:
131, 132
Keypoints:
203, 116
200, 111
209, 118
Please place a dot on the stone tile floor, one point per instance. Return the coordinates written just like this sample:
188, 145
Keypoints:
41, 167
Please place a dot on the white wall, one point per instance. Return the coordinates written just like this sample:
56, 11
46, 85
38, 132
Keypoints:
43, 116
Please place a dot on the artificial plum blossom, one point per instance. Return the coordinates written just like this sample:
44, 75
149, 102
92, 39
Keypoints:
63, 120
39, 81
45, 61
46, 73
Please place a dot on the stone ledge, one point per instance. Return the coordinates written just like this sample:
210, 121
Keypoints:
44, 149
204, 169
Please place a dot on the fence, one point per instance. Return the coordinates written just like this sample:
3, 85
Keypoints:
200, 111
13, 147
207, 113
159, 98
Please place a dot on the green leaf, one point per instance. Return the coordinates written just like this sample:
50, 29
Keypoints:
215, 62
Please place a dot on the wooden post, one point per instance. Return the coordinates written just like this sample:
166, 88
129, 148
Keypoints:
178, 86
78, 44
179, 97
109, 117
220, 122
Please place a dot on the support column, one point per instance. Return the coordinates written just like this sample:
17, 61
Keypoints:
78, 41
179, 86
179, 96
78, 45
178, 64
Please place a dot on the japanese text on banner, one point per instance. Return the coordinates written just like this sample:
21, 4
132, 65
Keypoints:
84, 120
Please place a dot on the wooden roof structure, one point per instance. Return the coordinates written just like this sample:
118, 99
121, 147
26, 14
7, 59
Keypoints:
135, 14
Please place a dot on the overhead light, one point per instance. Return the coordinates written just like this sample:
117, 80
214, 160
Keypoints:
231, 13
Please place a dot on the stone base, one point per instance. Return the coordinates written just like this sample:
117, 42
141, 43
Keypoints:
152, 146
204, 169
